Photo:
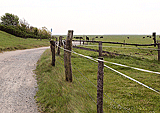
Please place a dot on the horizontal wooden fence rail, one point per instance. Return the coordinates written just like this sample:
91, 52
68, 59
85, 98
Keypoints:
117, 43
101, 42
129, 44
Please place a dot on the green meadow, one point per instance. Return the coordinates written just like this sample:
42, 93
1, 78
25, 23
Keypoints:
120, 94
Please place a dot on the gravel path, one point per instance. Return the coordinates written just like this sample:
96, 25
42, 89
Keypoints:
17, 84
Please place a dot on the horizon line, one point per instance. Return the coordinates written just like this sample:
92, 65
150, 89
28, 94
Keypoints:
105, 34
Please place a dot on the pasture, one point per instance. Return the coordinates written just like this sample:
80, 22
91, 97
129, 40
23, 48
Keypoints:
142, 52
120, 93
138, 39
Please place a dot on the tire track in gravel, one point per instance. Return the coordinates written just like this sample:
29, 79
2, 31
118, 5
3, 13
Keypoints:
17, 84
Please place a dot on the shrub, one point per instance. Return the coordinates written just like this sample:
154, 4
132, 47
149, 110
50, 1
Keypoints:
20, 32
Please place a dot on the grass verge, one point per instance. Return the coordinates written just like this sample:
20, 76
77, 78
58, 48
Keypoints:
120, 94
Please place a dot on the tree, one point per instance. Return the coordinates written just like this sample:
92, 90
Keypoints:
35, 31
10, 19
44, 32
23, 23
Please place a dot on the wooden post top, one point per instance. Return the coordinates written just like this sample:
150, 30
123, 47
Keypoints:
70, 31
70, 35
52, 42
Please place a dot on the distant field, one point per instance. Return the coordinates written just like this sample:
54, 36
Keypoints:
149, 52
120, 38
9, 42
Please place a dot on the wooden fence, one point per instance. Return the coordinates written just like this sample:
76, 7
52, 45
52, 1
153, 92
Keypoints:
101, 51
68, 67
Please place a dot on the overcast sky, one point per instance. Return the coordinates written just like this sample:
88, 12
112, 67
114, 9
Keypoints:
88, 16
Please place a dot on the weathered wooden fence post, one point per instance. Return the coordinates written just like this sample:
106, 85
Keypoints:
154, 38
67, 56
53, 52
100, 86
100, 49
158, 51
56, 39
59, 45
80, 40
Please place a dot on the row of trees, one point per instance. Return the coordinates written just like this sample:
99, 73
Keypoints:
10, 23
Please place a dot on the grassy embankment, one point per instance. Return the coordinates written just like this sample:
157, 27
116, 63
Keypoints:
57, 95
9, 42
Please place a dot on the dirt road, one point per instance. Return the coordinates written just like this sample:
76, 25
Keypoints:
17, 84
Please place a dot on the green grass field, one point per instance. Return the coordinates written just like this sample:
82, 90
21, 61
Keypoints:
138, 39
57, 95
9, 42
142, 52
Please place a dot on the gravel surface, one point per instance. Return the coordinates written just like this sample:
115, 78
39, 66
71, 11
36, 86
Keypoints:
17, 84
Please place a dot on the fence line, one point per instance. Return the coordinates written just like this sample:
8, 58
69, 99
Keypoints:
85, 90
120, 43
97, 50
123, 47
83, 75
115, 71
139, 69
82, 86
112, 53
100, 44
67, 50
144, 70
96, 86
132, 79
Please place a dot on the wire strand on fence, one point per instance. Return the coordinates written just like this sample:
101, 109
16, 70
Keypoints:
61, 74
123, 47
116, 102
62, 65
132, 79
85, 90
115, 71
104, 93
144, 70
95, 86
84, 76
